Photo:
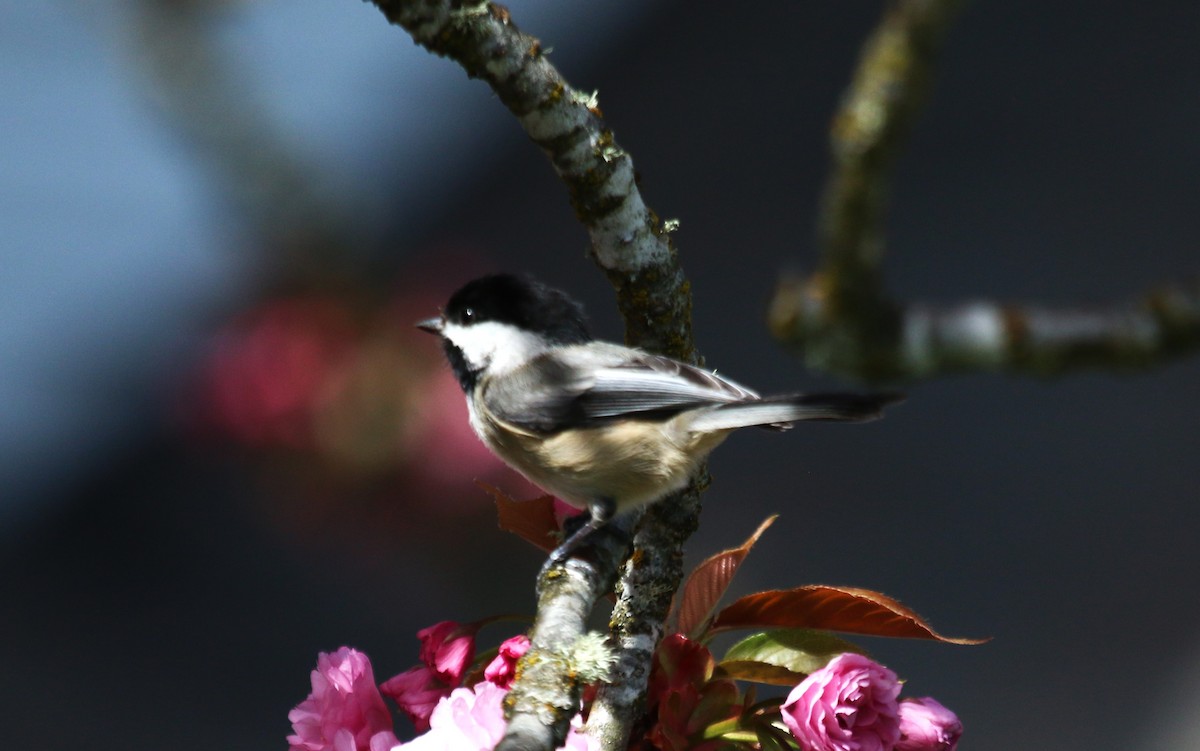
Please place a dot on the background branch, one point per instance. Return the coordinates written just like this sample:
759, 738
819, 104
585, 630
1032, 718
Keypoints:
842, 318
208, 100
984, 335
632, 246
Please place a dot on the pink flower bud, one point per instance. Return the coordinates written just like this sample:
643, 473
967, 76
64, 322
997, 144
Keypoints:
848, 705
925, 725
448, 649
344, 711
502, 670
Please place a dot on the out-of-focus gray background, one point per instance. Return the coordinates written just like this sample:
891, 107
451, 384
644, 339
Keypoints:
175, 553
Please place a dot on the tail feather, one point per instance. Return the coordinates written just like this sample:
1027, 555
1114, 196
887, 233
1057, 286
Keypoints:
780, 411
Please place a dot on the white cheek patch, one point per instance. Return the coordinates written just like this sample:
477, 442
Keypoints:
496, 346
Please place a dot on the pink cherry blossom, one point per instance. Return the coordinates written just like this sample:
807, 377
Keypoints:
344, 712
448, 648
466, 720
577, 740
503, 669
925, 725
417, 692
848, 705
473, 720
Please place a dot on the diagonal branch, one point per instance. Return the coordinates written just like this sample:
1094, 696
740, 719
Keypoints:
842, 317
628, 241
632, 246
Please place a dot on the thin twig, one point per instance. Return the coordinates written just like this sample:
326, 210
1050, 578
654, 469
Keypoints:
842, 317
633, 247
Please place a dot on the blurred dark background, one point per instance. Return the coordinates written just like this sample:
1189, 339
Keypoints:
223, 449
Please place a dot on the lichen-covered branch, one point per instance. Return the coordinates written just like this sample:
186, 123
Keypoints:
842, 318
634, 249
628, 240
546, 694
644, 597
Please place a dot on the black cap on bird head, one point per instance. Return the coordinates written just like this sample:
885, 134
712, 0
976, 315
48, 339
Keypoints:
521, 301
543, 313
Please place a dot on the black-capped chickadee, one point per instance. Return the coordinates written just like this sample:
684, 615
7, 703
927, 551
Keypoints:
603, 427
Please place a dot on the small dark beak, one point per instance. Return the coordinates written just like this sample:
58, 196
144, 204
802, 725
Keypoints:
432, 325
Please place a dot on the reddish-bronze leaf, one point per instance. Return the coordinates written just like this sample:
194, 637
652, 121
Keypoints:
707, 583
847, 609
532, 520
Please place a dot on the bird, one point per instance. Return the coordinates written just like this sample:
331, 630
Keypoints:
602, 426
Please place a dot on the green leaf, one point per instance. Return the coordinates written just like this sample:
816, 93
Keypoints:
783, 656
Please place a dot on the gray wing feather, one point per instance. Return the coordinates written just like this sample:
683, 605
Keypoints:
653, 384
577, 385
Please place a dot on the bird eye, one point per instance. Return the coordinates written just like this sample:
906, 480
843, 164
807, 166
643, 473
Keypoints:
468, 315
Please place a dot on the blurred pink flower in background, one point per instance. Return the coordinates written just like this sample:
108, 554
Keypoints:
503, 668
357, 388
345, 711
848, 705
351, 414
925, 725
276, 365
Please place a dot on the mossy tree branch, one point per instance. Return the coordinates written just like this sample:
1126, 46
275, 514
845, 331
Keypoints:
628, 241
